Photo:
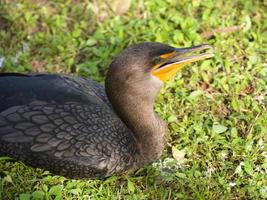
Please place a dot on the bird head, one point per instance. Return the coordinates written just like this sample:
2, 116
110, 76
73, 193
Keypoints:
149, 61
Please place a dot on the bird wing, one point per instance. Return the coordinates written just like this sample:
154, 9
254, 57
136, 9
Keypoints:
63, 124
84, 135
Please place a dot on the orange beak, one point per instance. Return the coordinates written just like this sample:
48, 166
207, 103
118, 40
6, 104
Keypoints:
176, 60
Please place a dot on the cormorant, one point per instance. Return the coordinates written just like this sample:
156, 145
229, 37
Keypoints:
78, 128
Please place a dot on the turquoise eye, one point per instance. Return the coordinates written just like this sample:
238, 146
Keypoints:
157, 60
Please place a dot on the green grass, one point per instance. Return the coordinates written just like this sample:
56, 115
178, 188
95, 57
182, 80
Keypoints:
216, 110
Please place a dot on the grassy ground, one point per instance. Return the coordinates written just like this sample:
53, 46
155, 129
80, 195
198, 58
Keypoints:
215, 110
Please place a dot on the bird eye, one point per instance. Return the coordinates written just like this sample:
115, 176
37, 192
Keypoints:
157, 60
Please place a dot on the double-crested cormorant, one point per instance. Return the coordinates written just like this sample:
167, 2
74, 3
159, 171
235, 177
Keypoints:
75, 127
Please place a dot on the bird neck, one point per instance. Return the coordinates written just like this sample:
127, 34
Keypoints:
148, 130
136, 111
